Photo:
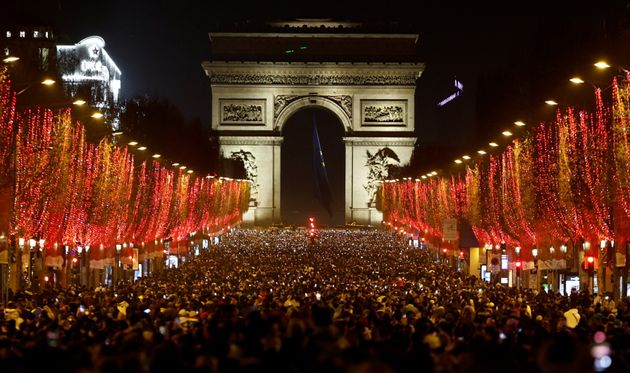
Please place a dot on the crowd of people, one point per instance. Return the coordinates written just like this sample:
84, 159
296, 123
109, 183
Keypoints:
355, 300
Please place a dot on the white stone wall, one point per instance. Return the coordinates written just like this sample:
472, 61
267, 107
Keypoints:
359, 205
266, 153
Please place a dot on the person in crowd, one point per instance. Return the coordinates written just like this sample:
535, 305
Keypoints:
357, 300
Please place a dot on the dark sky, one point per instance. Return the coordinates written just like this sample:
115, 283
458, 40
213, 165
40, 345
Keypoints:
510, 56
498, 51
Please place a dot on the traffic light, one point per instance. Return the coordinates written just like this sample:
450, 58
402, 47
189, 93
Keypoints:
518, 265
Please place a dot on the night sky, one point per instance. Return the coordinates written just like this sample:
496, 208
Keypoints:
509, 56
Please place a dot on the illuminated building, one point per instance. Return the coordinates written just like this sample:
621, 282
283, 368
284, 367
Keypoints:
89, 72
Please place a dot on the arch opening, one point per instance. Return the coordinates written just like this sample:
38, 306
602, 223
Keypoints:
299, 196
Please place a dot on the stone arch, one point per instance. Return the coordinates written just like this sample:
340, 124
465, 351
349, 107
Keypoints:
312, 102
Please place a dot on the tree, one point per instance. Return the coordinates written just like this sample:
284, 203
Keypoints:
161, 127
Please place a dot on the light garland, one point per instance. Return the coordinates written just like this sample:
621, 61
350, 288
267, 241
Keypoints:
568, 180
72, 193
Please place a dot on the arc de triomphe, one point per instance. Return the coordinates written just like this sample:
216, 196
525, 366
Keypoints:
259, 80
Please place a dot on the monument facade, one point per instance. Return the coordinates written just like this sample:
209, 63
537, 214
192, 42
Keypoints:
367, 80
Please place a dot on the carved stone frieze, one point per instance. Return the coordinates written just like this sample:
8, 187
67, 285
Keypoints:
379, 141
251, 140
318, 79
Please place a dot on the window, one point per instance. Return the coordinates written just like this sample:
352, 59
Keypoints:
22, 34
35, 34
46, 34
8, 34
6, 51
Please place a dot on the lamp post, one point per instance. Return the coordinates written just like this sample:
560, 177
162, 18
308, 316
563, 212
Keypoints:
118, 250
518, 266
88, 272
535, 256
5, 258
36, 261
80, 265
31, 244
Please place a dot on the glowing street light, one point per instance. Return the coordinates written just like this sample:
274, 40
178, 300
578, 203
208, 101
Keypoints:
466, 157
78, 102
97, 115
142, 148
175, 164
493, 144
481, 151
10, 59
48, 82
576, 80
601, 65
458, 161
519, 123
117, 133
156, 156
506, 133
551, 103
133, 143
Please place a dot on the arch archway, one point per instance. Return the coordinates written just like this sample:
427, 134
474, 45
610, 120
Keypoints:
300, 196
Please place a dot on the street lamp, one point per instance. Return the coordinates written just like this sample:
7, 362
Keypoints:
10, 59
47, 82
31, 244
80, 274
535, 255
87, 261
118, 250
576, 80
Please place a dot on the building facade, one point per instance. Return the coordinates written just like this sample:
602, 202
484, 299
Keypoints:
88, 71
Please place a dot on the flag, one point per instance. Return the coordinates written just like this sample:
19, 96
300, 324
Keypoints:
322, 186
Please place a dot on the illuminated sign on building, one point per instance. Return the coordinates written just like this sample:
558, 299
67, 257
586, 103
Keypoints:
87, 64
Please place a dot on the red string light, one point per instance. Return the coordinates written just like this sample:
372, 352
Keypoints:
568, 180
70, 192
